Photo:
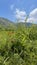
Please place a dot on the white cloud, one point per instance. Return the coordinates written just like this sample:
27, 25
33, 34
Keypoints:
11, 6
33, 16
34, 13
20, 15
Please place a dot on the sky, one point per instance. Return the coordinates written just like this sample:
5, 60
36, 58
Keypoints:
19, 10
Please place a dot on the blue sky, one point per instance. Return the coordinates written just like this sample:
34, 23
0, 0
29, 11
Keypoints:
9, 8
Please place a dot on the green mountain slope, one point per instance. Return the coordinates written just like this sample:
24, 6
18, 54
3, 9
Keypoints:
5, 23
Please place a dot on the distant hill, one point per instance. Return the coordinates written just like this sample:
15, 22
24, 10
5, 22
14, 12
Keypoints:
7, 24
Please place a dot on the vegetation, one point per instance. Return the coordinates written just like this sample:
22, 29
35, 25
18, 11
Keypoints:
18, 44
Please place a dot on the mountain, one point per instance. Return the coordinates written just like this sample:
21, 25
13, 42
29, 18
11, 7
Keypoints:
5, 23
22, 24
9, 25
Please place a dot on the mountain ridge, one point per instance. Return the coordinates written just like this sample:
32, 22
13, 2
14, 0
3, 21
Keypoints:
5, 23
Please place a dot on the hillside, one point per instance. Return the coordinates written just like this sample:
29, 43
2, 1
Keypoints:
5, 23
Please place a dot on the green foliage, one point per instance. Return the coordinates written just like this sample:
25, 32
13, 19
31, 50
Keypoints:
18, 47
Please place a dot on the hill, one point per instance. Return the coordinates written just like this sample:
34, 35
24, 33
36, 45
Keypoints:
6, 24
9, 25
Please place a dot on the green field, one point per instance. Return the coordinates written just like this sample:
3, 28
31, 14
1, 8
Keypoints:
18, 44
